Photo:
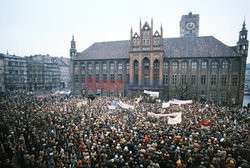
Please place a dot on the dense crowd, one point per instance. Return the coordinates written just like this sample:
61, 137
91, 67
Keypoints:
58, 132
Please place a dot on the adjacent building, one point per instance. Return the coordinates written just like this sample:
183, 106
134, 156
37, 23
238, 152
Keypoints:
63, 64
247, 80
33, 73
13, 72
43, 72
2, 86
186, 67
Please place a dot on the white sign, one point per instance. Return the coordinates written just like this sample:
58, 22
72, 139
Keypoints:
152, 94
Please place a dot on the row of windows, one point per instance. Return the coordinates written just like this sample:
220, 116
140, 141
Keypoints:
10, 63
156, 41
203, 80
212, 95
194, 65
16, 72
104, 66
146, 64
97, 77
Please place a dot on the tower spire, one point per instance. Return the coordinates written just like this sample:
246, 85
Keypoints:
242, 44
244, 24
140, 24
131, 32
161, 30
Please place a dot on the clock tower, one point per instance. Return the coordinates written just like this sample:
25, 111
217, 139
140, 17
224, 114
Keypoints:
189, 25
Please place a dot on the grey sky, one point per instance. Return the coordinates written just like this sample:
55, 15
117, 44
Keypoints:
31, 27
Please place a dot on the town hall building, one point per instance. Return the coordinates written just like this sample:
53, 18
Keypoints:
186, 67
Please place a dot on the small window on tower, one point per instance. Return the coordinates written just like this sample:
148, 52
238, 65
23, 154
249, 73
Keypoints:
134, 41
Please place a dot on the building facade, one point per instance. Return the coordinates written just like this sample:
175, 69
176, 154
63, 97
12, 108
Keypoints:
13, 73
33, 73
43, 72
63, 64
187, 67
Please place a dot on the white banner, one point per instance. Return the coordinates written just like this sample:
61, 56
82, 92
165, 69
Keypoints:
152, 94
166, 105
124, 105
150, 114
180, 102
175, 119
82, 103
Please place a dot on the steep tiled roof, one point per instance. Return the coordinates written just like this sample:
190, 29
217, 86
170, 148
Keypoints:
62, 61
206, 46
106, 50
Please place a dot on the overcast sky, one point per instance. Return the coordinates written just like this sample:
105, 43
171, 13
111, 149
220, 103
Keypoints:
31, 27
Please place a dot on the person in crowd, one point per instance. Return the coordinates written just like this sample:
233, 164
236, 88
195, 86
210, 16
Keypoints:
68, 132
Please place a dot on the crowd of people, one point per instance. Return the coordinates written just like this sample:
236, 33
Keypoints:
67, 132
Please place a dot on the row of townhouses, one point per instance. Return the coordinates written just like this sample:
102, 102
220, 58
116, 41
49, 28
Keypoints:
33, 73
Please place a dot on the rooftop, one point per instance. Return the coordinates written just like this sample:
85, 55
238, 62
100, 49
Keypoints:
184, 47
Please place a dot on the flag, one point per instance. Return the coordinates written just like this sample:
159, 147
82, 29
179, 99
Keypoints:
174, 119
206, 123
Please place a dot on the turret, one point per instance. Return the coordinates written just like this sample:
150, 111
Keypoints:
73, 47
242, 44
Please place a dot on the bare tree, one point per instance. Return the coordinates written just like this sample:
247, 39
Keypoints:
183, 90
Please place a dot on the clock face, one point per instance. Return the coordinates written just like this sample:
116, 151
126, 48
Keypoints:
190, 25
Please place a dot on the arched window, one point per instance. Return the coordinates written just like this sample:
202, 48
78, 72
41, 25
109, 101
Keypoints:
175, 65
136, 76
156, 64
184, 65
127, 65
156, 71
119, 65
112, 66
225, 64
97, 66
135, 65
165, 65
82, 65
214, 65
194, 65
104, 66
204, 64
146, 63
90, 66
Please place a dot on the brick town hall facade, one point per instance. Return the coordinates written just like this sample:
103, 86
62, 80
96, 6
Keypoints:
187, 67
